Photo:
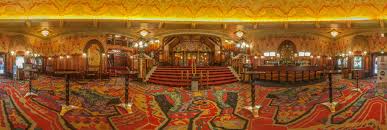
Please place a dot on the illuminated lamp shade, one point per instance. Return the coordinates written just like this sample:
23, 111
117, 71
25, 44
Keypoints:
45, 33
334, 33
382, 35
12, 52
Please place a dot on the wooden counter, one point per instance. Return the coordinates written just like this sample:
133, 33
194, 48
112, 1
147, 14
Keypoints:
290, 73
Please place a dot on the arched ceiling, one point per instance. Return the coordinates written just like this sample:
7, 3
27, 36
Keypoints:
196, 10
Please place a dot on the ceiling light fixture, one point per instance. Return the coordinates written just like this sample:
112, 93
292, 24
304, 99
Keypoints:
334, 33
45, 32
144, 33
239, 34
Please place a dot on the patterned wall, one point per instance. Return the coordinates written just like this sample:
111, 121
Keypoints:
367, 42
18, 42
315, 44
72, 44
196, 10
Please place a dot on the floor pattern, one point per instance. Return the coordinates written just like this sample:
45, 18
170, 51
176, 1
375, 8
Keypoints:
221, 107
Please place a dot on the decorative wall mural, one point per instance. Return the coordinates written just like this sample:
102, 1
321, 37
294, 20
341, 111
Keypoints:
94, 50
94, 57
287, 49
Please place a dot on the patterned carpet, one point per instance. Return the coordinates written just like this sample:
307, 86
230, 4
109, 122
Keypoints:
221, 107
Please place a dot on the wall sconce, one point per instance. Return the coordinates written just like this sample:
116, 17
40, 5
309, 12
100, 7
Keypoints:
68, 56
60, 57
318, 57
329, 58
103, 54
12, 53
84, 55
27, 52
382, 35
255, 57
262, 57
49, 58
311, 57
365, 53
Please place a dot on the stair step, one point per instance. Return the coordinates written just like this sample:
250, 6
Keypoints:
172, 75
211, 73
178, 76
172, 83
189, 80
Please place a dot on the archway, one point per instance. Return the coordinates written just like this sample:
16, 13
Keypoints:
93, 49
287, 49
188, 49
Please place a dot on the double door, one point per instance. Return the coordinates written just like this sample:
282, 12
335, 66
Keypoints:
190, 58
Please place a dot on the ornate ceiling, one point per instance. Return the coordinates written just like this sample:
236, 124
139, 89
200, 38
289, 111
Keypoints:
197, 10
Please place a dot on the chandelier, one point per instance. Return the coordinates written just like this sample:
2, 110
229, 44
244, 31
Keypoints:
143, 42
242, 44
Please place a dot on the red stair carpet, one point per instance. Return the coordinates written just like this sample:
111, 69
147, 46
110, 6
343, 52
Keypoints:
177, 76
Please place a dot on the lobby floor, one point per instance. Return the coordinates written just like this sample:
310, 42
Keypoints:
221, 107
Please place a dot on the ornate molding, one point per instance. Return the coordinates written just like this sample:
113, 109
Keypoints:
196, 10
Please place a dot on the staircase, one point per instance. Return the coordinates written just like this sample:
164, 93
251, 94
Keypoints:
177, 76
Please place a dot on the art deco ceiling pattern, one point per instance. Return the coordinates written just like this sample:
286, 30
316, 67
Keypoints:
196, 10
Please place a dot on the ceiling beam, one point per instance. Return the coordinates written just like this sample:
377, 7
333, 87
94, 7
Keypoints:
317, 24
95, 23
255, 26
193, 25
61, 23
28, 23
161, 25
128, 24
349, 24
224, 26
286, 25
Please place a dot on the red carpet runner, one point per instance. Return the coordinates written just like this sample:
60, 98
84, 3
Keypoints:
177, 76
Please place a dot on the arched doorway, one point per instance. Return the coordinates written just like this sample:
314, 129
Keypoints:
287, 50
93, 50
188, 49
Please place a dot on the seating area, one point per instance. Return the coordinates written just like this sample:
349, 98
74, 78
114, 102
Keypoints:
181, 76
